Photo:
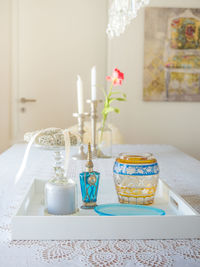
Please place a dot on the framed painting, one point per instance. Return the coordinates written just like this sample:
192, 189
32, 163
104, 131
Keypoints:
171, 54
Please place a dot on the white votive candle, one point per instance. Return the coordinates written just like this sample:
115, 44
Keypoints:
61, 199
80, 95
93, 84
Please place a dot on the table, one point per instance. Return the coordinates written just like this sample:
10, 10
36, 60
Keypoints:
178, 169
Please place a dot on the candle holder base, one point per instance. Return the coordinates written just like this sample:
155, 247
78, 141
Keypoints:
81, 155
101, 155
94, 152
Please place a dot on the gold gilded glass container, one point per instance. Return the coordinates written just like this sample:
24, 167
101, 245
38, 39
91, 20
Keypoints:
136, 178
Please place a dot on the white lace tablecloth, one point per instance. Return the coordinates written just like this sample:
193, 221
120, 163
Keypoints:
179, 170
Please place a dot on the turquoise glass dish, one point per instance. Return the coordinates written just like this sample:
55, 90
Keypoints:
117, 209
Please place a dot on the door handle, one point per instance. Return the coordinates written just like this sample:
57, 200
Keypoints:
24, 100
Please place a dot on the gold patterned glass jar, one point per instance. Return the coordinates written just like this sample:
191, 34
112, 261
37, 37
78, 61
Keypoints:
136, 178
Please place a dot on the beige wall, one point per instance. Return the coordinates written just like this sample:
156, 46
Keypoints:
4, 74
141, 122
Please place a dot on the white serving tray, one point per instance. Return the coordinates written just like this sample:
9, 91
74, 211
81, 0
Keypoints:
32, 222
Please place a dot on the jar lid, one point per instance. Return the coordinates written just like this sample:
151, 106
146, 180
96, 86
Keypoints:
146, 158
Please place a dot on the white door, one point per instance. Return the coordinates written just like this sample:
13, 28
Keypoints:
53, 41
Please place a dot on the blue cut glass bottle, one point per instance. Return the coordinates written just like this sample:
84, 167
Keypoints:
89, 182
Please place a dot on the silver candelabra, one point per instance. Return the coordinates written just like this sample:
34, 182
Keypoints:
81, 117
93, 116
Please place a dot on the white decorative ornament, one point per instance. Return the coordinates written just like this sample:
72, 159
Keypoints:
121, 13
50, 137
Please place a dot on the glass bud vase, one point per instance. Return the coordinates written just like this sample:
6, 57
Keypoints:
104, 141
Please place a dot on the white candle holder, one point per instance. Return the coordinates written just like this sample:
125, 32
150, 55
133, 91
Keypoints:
94, 117
81, 155
60, 191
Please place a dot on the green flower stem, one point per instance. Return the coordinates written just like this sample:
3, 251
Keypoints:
109, 98
106, 104
102, 128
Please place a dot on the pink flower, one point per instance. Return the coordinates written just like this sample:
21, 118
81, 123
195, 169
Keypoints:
117, 77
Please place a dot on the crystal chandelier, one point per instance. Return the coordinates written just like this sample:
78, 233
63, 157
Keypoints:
121, 13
